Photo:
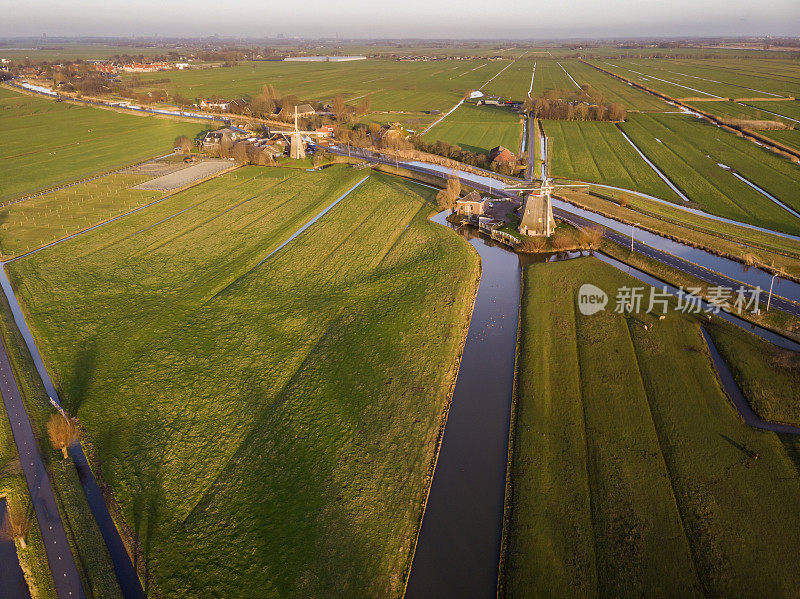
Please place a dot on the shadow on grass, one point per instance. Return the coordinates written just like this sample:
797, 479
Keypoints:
80, 381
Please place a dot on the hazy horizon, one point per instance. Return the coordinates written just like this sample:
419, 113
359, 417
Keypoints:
414, 19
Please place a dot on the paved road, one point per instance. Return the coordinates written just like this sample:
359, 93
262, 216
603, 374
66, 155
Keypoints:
59, 555
531, 150
12, 580
126, 574
710, 277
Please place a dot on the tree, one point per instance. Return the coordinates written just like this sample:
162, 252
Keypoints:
184, 143
590, 237
239, 152
225, 146
339, 107
447, 198
364, 107
62, 431
16, 524
532, 245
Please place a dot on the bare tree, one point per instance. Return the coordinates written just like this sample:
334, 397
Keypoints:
16, 524
590, 237
225, 146
184, 143
446, 199
62, 431
532, 245
339, 107
239, 152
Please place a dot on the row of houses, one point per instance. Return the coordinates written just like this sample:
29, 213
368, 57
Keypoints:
139, 67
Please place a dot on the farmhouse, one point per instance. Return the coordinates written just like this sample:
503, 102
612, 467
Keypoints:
302, 110
501, 155
221, 105
472, 204
214, 138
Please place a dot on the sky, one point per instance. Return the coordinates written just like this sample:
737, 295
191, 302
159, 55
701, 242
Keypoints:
513, 19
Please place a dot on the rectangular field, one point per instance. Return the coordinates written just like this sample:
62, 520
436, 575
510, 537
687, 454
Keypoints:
598, 153
691, 153
614, 90
632, 474
48, 143
290, 405
480, 128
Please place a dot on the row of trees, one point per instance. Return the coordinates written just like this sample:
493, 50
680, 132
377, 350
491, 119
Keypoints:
586, 104
63, 432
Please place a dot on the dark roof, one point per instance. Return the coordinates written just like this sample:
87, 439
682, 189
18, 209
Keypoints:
472, 196
501, 154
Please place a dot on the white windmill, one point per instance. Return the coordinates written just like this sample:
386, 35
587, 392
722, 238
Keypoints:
297, 148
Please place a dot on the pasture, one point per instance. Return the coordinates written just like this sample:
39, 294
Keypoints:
290, 404
614, 90
710, 79
49, 143
550, 76
514, 82
391, 85
690, 151
598, 153
631, 473
480, 128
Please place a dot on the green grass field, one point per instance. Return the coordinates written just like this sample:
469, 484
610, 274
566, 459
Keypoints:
769, 378
689, 151
708, 79
738, 110
49, 143
391, 85
632, 474
514, 82
550, 76
789, 109
480, 128
290, 406
597, 152
613, 89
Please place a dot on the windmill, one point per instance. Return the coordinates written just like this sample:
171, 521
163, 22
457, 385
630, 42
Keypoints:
537, 206
297, 148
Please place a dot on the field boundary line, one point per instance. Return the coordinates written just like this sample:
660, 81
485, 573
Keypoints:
678, 508
86, 179
568, 75
655, 168
782, 150
119, 216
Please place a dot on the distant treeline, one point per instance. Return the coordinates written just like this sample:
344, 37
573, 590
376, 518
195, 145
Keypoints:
586, 104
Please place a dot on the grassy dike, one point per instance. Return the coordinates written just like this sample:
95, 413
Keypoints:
631, 472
